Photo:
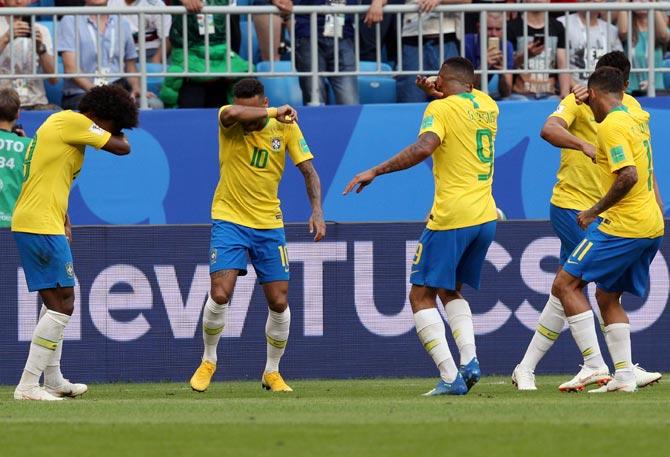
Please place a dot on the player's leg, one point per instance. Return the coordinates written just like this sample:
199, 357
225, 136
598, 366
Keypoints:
269, 256
227, 261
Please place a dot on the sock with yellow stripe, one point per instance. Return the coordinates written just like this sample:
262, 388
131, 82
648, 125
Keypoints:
52, 373
547, 332
617, 337
46, 337
582, 327
276, 335
459, 318
213, 322
432, 334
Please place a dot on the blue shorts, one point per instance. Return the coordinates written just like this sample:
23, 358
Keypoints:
615, 264
232, 245
564, 223
445, 258
46, 260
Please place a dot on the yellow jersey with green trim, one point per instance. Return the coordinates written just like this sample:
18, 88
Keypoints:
466, 125
251, 165
624, 140
578, 179
52, 163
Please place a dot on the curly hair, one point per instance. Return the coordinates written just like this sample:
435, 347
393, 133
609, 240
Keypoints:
248, 88
9, 105
112, 103
607, 79
616, 59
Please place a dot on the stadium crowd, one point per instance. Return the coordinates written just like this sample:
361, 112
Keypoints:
163, 45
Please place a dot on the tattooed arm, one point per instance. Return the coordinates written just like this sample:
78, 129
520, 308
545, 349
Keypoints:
625, 180
408, 157
313, 185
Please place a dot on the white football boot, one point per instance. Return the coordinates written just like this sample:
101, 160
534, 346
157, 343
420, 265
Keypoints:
616, 385
643, 378
34, 392
523, 378
586, 377
67, 389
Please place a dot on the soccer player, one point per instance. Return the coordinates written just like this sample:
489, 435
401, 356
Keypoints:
458, 131
13, 147
247, 220
572, 127
42, 229
616, 254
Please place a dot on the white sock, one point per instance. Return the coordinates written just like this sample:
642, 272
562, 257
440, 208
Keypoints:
213, 322
52, 373
617, 337
582, 327
46, 336
276, 335
432, 334
547, 332
459, 318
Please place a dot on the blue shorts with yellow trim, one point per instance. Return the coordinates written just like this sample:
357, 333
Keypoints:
564, 223
232, 245
614, 263
46, 260
445, 258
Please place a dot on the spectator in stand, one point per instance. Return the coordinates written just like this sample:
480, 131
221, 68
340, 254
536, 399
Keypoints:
387, 31
544, 52
156, 28
262, 26
203, 92
603, 38
328, 27
432, 60
639, 82
117, 55
501, 84
31, 90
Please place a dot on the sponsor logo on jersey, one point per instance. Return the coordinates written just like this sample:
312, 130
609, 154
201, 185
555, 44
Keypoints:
94, 128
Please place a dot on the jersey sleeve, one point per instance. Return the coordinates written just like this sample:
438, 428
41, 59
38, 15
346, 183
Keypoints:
298, 149
433, 122
616, 146
568, 110
79, 130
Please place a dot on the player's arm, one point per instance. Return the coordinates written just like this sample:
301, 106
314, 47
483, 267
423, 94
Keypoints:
241, 113
625, 180
117, 144
408, 157
659, 197
555, 132
313, 186
68, 228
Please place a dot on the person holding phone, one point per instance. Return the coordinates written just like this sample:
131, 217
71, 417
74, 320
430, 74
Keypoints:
545, 51
500, 85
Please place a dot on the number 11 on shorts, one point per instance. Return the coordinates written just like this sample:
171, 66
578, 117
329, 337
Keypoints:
283, 253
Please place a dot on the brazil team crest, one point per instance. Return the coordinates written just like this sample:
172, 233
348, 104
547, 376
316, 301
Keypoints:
276, 144
69, 269
212, 256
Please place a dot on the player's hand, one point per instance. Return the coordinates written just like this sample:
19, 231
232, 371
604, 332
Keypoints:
585, 218
317, 226
361, 180
589, 151
427, 84
287, 114
535, 49
285, 6
374, 14
581, 93
192, 6
68, 230
426, 6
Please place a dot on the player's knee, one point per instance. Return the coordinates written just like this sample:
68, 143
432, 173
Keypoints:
278, 301
220, 295
66, 305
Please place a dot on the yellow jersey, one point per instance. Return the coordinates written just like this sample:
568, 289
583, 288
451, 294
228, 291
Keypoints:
624, 140
251, 166
463, 163
578, 185
53, 161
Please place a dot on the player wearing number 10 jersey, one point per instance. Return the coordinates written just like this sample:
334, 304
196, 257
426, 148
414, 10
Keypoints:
458, 130
247, 220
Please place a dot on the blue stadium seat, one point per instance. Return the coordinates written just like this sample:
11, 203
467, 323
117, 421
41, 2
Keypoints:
666, 76
244, 40
154, 82
55, 91
280, 89
376, 89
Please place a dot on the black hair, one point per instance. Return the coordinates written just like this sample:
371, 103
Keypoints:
111, 103
461, 68
248, 88
615, 59
607, 79
9, 105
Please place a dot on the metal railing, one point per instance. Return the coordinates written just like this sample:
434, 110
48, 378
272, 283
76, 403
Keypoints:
357, 11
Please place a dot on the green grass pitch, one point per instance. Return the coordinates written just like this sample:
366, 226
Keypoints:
378, 417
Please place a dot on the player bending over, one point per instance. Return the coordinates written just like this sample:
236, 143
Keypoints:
458, 131
247, 220
572, 127
42, 229
617, 253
